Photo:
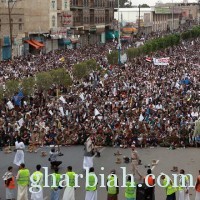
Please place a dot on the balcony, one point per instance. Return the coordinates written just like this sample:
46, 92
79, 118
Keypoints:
77, 5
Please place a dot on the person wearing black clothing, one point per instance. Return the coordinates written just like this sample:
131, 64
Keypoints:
53, 159
149, 191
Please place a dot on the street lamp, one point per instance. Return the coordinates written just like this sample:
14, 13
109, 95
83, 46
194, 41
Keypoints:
119, 41
10, 8
172, 16
139, 21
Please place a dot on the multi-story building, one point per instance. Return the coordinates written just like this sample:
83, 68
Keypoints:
166, 17
11, 26
172, 15
47, 22
45, 25
92, 18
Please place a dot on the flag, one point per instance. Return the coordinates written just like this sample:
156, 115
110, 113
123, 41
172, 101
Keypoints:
141, 118
17, 98
96, 112
10, 105
148, 59
82, 96
62, 59
62, 99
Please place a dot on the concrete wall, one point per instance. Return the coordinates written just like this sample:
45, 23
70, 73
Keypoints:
36, 16
17, 17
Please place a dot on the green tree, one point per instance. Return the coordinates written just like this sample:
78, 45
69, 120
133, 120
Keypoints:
113, 57
123, 3
44, 80
91, 65
144, 6
1, 94
61, 77
80, 70
28, 85
12, 86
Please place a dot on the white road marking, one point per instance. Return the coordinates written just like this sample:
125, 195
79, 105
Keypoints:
155, 165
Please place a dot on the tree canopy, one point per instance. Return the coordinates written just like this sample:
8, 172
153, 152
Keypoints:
123, 3
144, 6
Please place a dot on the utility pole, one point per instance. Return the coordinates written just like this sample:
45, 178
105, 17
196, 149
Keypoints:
172, 16
199, 12
119, 38
10, 8
10, 26
139, 20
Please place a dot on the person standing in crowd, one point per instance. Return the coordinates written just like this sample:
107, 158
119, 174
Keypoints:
150, 191
130, 190
69, 193
170, 190
55, 189
23, 179
53, 158
89, 152
9, 183
183, 191
19, 156
38, 179
91, 190
197, 187
135, 161
112, 190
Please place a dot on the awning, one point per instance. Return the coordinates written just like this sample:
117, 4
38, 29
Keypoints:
32, 44
126, 37
37, 43
67, 42
110, 35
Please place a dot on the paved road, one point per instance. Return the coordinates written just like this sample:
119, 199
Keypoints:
187, 159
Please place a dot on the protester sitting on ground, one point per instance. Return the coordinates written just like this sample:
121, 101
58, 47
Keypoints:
53, 158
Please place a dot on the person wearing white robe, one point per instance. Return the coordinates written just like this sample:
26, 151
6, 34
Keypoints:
69, 193
19, 156
183, 191
37, 177
91, 189
88, 157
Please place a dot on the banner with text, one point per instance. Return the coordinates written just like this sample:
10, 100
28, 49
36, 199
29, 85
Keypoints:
161, 61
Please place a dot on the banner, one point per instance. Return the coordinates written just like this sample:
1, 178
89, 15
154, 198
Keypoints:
161, 61
148, 59
17, 98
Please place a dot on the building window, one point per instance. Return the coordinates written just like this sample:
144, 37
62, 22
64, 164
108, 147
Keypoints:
65, 4
20, 27
20, 24
53, 21
53, 4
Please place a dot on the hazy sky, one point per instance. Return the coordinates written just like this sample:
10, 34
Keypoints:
152, 2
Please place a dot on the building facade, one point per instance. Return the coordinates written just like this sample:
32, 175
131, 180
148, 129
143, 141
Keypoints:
11, 26
45, 25
91, 19
166, 17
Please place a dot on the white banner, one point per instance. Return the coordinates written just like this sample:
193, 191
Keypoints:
161, 61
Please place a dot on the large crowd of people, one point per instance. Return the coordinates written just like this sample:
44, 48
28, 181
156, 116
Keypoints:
137, 101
